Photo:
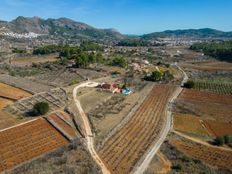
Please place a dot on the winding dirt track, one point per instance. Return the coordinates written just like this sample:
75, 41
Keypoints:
152, 151
87, 127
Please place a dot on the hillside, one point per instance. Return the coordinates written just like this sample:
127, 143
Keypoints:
205, 33
58, 27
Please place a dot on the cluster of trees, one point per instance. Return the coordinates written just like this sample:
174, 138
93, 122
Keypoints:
133, 43
167, 65
218, 50
17, 50
84, 46
91, 46
48, 49
85, 54
83, 59
159, 76
120, 62
226, 139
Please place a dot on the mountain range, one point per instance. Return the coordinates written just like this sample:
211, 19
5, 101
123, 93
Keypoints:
62, 27
68, 28
204, 33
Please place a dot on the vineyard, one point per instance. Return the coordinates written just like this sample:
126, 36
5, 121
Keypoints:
221, 88
209, 155
127, 145
59, 121
207, 105
196, 125
218, 128
27, 141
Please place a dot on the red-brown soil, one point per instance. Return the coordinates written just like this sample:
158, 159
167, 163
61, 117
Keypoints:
124, 149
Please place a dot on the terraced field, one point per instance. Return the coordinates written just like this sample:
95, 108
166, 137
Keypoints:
207, 105
27, 141
4, 102
209, 155
56, 98
11, 92
58, 120
8, 120
218, 128
210, 66
25, 84
196, 125
125, 147
189, 123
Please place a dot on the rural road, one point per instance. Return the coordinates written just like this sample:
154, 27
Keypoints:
87, 127
143, 166
201, 142
89, 136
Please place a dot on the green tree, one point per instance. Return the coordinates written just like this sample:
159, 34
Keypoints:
156, 76
227, 139
219, 141
120, 62
64, 61
168, 76
99, 58
92, 58
40, 108
189, 84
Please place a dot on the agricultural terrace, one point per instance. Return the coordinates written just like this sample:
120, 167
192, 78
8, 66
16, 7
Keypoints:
209, 155
61, 121
189, 123
127, 145
34, 59
218, 128
209, 66
196, 125
207, 105
4, 102
221, 88
25, 84
12, 93
27, 141
56, 98
7, 120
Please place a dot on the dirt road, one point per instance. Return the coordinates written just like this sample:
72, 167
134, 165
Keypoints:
168, 125
166, 163
89, 136
87, 127
200, 141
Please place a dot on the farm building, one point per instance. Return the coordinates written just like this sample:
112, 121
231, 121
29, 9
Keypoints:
110, 87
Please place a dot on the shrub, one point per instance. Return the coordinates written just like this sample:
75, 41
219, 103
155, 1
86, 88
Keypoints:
155, 76
189, 84
73, 82
120, 62
227, 139
177, 167
40, 108
219, 141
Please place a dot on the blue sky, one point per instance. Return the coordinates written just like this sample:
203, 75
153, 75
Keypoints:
128, 16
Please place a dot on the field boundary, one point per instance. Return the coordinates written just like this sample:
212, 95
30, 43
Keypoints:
127, 118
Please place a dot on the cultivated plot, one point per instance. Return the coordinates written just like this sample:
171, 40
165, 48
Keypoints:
124, 149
